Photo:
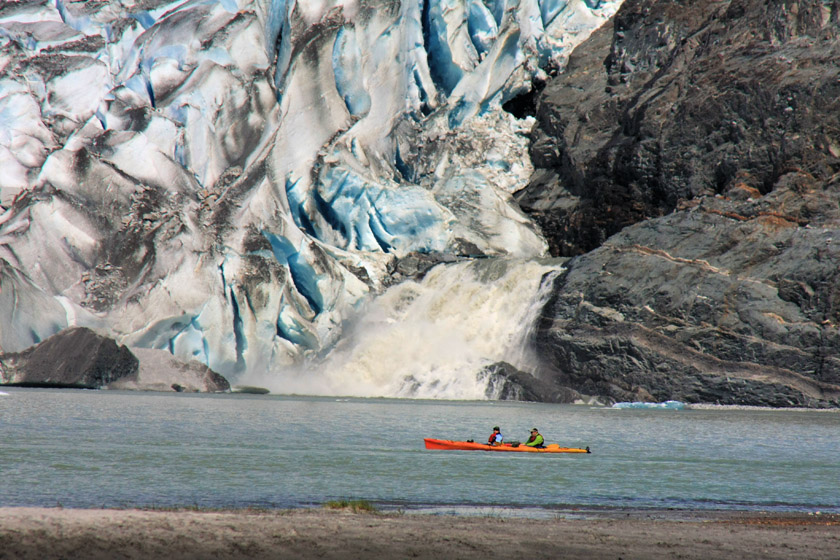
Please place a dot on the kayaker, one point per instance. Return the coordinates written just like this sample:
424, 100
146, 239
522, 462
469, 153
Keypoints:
496, 437
536, 440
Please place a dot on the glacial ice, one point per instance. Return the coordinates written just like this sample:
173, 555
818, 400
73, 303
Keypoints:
666, 405
233, 180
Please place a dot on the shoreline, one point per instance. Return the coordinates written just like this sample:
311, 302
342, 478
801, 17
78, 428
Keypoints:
340, 533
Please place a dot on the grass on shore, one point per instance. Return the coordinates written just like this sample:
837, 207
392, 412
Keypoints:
355, 506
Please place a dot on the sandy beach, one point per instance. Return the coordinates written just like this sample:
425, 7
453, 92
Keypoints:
47, 533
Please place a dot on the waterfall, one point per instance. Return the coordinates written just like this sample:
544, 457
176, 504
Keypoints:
429, 339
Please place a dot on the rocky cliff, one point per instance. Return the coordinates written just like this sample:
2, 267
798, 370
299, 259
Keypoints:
688, 161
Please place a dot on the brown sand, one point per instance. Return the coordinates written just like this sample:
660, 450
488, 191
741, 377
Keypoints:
43, 533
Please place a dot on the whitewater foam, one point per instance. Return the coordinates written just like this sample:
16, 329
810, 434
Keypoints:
429, 339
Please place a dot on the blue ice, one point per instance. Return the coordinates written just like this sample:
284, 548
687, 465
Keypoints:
145, 19
289, 328
303, 275
550, 8
482, 27
190, 341
374, 218
81, 24
348, 71
440, 56
668, 405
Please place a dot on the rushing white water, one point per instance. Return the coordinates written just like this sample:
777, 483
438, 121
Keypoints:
430, 339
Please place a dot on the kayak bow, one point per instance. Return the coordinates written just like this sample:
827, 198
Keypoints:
473, 446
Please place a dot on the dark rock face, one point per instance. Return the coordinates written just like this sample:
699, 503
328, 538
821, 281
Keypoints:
76, 357
679, 100
506, 383
689, 159
415, 266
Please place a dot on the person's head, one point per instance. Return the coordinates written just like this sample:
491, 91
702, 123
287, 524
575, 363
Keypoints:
535, 431
496, 429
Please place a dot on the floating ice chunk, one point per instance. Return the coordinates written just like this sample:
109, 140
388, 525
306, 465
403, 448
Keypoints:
667, 405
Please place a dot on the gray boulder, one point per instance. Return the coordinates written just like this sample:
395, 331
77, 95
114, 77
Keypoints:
80, 358
75, 357
161, 371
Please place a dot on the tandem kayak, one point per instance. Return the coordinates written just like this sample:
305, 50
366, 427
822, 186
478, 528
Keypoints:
505, 447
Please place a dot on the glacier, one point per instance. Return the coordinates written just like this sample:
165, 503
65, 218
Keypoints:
235, 181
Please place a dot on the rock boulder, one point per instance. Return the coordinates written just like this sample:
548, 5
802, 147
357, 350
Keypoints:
161, 371
75, 357
80, 358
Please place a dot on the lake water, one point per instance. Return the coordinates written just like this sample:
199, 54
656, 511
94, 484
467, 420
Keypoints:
113, 449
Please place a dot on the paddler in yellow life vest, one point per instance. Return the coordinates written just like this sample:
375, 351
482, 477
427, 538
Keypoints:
496, 437
536, 440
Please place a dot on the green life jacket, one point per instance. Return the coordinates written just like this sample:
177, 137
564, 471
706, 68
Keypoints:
536, 441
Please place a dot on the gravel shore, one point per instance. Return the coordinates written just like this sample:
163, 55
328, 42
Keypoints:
52, 533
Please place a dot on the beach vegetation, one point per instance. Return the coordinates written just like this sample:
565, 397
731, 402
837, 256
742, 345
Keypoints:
356, 506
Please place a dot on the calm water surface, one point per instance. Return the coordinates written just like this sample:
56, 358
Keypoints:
113, 449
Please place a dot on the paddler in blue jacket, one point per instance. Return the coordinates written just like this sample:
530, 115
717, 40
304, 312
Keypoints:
496, 437
536, 440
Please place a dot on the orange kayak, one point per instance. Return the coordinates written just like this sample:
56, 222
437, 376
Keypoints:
473, 446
